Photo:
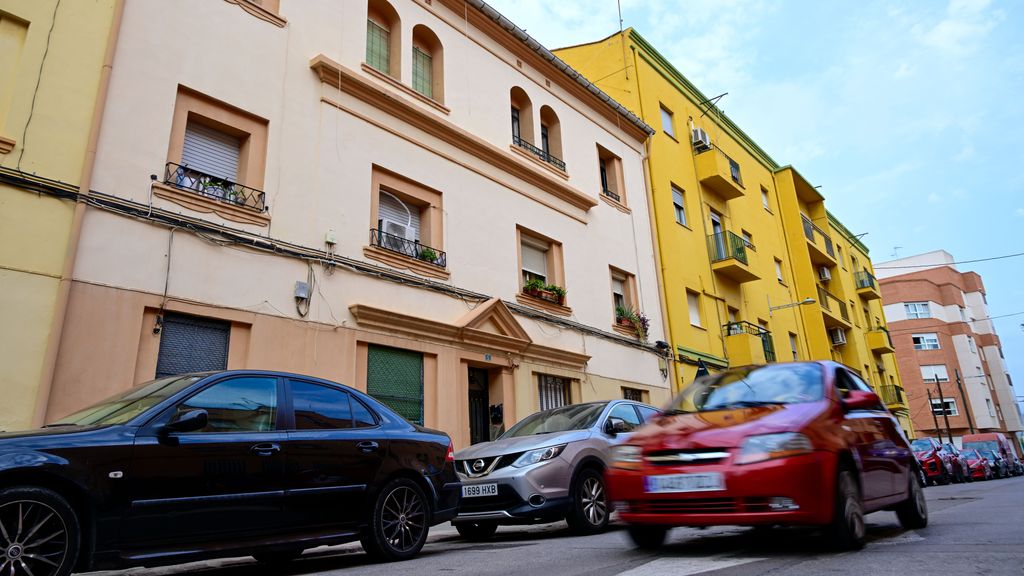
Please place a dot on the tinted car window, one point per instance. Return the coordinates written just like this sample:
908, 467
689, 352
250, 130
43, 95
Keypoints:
647, 413
319, 407
361, 415
247, 404
127, 405
771, 384
575, 417
921, 445
627, 414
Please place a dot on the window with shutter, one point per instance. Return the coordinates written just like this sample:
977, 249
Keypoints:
378, 47
192, 344
392, 209
211, 151
422, 73
535, 261
395, 377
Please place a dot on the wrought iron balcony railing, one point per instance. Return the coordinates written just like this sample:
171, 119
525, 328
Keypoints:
811, 230
611, 194
892, 394
743, 327
865, 279
185, 178
832, 303
725, 245
410, 248
554, 161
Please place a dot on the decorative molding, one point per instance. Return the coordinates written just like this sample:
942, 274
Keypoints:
259, 12
495, 311
545, 165
542, 304
403, 262
340, 77
7, 144
617, 205
405, 89
200, 203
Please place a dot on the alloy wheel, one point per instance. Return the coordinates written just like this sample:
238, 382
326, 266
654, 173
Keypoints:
595, 508
852, 508
919, 501
403, 519
33, 538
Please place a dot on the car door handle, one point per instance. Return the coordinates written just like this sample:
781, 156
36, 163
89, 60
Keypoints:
265, 449
368, 446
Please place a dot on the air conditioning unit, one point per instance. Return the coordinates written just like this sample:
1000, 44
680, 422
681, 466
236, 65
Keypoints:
701, 140
824, 274
837, 336
395, 234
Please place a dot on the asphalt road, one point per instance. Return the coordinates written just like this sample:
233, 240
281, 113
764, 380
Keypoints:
974, 529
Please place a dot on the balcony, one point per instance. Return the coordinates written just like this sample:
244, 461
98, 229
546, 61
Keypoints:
747, 343
730, 255
219, 189
541, 154
819, 243
720, 174
867, 286
410, 248
833, 309
879, 341
893, 396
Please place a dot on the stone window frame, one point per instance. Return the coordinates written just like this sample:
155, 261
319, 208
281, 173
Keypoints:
413, 194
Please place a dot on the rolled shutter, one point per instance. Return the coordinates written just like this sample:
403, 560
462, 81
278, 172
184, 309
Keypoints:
192, 344
391, 208
211, 151
535, 260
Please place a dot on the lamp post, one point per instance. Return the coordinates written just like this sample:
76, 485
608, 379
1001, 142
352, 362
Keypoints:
790, 305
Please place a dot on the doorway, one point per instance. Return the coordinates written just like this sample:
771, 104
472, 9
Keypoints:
479, 422
718, 235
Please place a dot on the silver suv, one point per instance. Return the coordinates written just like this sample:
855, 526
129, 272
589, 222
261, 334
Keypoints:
547, 467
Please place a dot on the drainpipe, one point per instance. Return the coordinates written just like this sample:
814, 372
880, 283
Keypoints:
85, 182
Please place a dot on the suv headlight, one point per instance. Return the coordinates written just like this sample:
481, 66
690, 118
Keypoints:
770, 446
626, 456
538, 455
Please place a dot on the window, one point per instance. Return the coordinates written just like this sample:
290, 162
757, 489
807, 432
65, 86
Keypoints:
610, 168
842, 260
623, 289
540, 259
963, 314
930, 371
553, 391
916, 309
991, 409
792, 346
867, 319
926, 341
535, 262
551, 137
395, 378
522, 117
667, 122
633, 394
247, 404
748, 239
647, 413
192, 344
678, 202
734, 171
764, 199
853, 311
405, 220
383, 38
319, 407
13, 32
627, 414
944, 406
693, 301
778, 271
971, 345
427, 63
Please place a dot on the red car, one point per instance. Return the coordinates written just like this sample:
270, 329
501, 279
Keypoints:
979, 466
938, 462
804, 443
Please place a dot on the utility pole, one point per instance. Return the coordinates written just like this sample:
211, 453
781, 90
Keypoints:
945, 411
960, 386
938, 431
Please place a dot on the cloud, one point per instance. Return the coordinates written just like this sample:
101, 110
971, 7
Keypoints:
965, 26
1019, 212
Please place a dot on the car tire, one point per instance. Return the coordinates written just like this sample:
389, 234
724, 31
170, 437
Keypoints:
647, 537
52, 531
277, 557
477, 531
399, 522
924, 477
847, 529
944, 478
588, 512
913, 512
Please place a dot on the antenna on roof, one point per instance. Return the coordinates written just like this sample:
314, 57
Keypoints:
619, 4
711, 102
896, 251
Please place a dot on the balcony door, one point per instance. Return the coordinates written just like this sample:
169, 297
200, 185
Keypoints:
719, 235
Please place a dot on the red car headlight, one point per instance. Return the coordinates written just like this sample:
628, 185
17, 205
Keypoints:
770, 446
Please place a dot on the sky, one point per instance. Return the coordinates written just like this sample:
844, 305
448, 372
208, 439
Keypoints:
908, 113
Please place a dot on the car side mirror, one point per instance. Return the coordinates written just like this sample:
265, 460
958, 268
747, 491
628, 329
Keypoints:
615, 426
188, 422
861, 400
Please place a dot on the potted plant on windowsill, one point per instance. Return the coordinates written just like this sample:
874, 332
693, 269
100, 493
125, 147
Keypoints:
624, 315
557, 293
428, 254
533, 287
641, 323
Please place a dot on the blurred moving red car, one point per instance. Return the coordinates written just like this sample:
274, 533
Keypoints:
935, 459
980, 468
803, 443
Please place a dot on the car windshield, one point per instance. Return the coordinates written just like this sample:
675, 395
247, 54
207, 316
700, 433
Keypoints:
970, 454
982, 445
129, 404
988, 454
577, 417
754, 386
920, 445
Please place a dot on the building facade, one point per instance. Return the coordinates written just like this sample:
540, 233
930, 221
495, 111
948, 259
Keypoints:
53, 58
403, 196
949, 353
748, 251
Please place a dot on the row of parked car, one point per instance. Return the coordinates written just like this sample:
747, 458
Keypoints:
269, 464
983, 457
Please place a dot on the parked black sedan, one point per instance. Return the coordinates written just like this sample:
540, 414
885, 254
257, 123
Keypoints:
220, 464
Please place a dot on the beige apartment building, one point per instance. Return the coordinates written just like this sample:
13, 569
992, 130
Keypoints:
404, 196
939, 321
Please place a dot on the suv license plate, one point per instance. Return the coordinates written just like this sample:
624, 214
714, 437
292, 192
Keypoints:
684, 482
472, 490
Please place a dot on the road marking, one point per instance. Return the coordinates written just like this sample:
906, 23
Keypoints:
685, 566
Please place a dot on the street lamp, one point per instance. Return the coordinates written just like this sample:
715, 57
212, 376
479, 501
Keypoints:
790, 305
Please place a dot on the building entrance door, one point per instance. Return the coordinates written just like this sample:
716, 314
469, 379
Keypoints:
479, 423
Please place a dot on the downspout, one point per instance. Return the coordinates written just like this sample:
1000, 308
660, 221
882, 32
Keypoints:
652, 211
85, 182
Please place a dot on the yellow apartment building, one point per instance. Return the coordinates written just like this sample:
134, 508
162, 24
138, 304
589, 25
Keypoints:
53, 61
754, 268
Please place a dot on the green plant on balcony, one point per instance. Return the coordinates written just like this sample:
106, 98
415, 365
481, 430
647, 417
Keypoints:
534, 287
428, 254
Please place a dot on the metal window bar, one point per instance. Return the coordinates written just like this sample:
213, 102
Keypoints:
725, 245
809, 231
632, 394
185, 178
395, 377
743, 327
832, 303
556, 162
611, 194
865, 279
378, 48
892, 394
410, 248
554, 392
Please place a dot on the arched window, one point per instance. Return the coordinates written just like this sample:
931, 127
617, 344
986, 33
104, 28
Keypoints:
522, 117
551, 136
383, 38
427, 63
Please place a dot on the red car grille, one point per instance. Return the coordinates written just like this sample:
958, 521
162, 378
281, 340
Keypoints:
685, 506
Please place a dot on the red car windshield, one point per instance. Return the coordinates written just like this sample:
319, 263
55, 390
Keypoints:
921, 445
754, 386
971, 455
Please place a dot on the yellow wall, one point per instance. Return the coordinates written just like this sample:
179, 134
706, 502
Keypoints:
49, 141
